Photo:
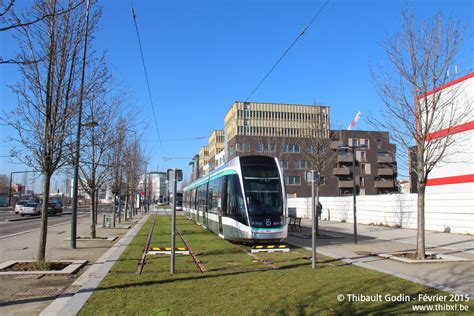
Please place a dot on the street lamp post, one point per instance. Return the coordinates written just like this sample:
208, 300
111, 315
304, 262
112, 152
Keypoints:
353, 148
313, 177
78, 137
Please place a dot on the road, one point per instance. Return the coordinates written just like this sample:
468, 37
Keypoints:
8, 228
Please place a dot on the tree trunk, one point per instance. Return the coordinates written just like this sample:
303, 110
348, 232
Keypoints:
126, 208
93, 218
114, 210
420, 234
41, 256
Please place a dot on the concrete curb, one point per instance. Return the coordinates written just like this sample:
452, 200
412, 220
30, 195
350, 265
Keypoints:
71, 302
19, 219
70, 269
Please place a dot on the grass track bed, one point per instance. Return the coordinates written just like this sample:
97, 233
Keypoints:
237, 283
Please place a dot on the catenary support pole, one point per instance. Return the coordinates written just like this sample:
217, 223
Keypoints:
173, 224
313, 234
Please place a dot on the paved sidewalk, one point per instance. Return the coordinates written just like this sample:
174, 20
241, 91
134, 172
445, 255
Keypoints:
338, 242
29, 295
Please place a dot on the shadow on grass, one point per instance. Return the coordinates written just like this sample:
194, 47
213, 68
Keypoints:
192, 278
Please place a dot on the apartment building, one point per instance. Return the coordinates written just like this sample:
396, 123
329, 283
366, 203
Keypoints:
157, 186
203, 160
215, 146
289, 131
374, 166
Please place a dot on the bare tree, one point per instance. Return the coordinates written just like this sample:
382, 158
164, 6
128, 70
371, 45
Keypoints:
420, 58
4, 183
10, 20
134, 160
316, 148
116, 155
96, 164
47, 95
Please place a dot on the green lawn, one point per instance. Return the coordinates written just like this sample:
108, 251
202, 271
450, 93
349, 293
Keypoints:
237, 283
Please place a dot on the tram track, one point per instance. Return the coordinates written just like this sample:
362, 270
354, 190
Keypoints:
141, 264
198, 262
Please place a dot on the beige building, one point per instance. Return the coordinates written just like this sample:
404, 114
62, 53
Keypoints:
276, 120
215, 146
204, 160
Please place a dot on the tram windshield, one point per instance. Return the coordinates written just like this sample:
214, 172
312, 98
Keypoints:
263, 190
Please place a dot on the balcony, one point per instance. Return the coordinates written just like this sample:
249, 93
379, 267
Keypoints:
344, 183
344, 158
388, 184
341, 171
335, 144
385, 171
385, 159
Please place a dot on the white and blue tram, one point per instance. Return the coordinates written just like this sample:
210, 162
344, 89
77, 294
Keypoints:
243, 200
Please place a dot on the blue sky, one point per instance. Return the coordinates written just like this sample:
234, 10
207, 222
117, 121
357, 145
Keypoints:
201, 56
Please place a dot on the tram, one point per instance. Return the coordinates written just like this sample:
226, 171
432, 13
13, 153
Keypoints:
242, 200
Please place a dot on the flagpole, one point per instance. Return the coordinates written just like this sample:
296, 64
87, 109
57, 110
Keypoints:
354, 188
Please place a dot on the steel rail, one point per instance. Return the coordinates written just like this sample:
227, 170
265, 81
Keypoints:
141, 264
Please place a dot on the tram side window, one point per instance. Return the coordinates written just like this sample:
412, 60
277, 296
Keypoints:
198, 198
202, 197
222, 204
210, 197
235, 201
193, 198
216, 193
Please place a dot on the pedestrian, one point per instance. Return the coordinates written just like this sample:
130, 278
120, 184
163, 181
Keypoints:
319, 210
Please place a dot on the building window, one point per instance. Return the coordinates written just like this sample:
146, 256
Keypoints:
270, 148
284, 164
291, 148
364, 142
353, 142
302, 164
316, 149
292, 180
245, 147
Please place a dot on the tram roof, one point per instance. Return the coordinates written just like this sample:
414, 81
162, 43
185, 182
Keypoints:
213, 173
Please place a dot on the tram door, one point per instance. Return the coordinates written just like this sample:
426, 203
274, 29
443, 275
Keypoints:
205, 221
223, 203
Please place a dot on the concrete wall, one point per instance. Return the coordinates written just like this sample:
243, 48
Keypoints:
444, 212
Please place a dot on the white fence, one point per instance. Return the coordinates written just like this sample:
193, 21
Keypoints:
443, 212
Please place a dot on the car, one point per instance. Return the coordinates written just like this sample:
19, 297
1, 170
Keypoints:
54, 208
31, 208
19, 205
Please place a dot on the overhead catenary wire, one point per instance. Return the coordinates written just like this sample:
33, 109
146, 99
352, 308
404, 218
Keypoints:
175, 140
315, 16
134, 16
